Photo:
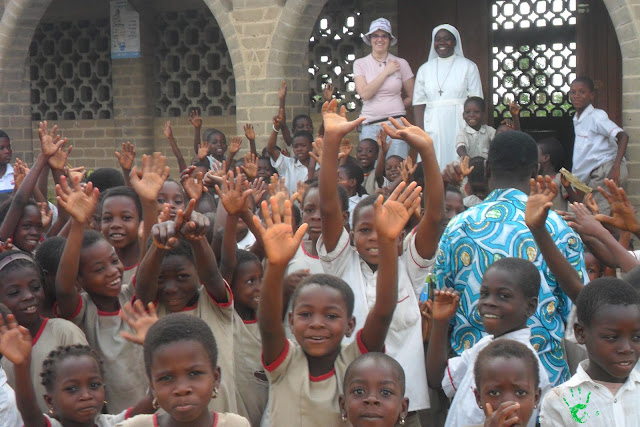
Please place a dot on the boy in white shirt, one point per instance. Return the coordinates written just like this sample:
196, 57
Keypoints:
474, 139
606, 389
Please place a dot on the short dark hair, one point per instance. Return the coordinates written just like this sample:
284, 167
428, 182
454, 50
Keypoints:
342, 194
370, 141
507, 349
477, 177
554, 149
3, 134
124, 192
376, 357
354, 171
512, 155
49, 253
303, 134
49, 366
330, 282
300, 117
177, 327
603, 291
6, 205
90, 237
106, 178
524, 273
208, 133
476, 100
584, 80
367, 201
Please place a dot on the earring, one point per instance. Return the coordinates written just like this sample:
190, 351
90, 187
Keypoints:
344, 417
154, 404
215, 393
50, 411
402, 420
481, 407
535, 406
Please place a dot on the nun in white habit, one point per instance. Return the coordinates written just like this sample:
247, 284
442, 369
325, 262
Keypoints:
442, 85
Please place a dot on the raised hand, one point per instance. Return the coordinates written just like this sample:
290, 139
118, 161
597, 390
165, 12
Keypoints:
75, 174
392, 215
383, 144
211, 179
336, 125
316, 153
192, 225
508, 123
301, 188
15, 341
623, 214
50, 142
445, 304
203, 150
168, 132
588, 200
285, 152
59, 159
250, 167
427, 317
413, 135
514, 108
194, 118
154, 173
126, 156
165, 234
452, 173
78, 202
249, 132
259, 188
327, 92
6, 246
277, 121
236, 144
542, 193
192, 183
139, 319
20, 170
583, 222
464, 165
282, 91
46, 214
345, 148
165, 213
504, 416
232, 196
407, 168
280, 243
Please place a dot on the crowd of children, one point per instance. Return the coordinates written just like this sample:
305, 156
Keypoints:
324, 287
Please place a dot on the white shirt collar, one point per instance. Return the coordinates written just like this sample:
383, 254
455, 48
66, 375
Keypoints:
584, 114
471, 130
582, 376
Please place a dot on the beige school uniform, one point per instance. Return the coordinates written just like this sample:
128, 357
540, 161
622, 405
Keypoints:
102, 420
298, 399
302, 260
52, 334
219, 420
219, 317
129, 274
252, 387
125, 377
370, 184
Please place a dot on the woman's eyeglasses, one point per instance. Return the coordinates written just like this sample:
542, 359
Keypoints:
380, 36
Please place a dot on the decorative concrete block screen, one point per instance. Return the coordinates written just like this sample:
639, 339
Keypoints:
334, 45
70, 69
533, 56
193, 66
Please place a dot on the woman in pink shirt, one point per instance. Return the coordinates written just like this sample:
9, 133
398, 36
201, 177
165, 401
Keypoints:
385, 84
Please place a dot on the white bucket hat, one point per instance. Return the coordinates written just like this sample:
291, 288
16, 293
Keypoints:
379, 24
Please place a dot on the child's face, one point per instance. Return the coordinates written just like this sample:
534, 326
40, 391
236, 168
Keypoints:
5, 151
120, 221
78, 395
247, 284
453, 205
373, 395
264, 169
612, 341
171, 193
367, 153
392, 168
183, 379
311, 214
178, 282
502, 305
319, 320
580, 95
28, 231
303, 124
365, 237
348, 183
592, 265
100, 270
301, 148
217, 145
473, 115
23, 294
508, 379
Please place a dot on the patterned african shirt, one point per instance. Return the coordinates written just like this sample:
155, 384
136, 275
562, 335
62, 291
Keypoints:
496, 229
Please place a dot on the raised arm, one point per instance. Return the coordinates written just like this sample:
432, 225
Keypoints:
126, 158
444, 307
196, 121
168, 132
280, 244
540, 201
390, 218
336, 127
282, 96
383, 148
273, 138
428, 229
251, 136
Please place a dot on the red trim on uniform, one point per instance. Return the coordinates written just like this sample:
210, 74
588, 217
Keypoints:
306, 253
363, 349
34, 340
451, 378
48, 422
127, 414
132, 267
133, 280
75, 313
273, 365
403, 299
341, 251
155, 420
189, 308
319, 378
223, 304
108, 313
249, 322
215, 419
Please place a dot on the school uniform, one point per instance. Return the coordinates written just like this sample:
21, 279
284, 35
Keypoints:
353, 202
584, 401
101, 420
475, 141
404, 338
125, 377
252, 386
7, 181
9, 414
370, 184
52, 334
303, 260
459, 382
296, 398
219, 317
219, 420
292, 170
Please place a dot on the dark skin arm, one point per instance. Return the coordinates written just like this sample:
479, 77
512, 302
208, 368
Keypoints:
196, 121
174, 146
282, 95
383, 148
444, 307
274, 153
623, 140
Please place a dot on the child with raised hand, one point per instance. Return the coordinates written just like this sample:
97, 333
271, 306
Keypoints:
22, 293
508, 297
606, 389
367, 153
306, 379
179, 273
181, 362
73, 380
90, 262
507, 383
373, 392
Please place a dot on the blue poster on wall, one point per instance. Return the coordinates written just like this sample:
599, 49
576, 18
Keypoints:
125, 30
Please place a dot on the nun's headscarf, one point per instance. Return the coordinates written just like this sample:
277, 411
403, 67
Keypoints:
457, 50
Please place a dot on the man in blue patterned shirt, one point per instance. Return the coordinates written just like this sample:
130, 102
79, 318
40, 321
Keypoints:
496, 229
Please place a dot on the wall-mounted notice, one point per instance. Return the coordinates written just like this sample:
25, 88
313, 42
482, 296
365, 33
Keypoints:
125, 30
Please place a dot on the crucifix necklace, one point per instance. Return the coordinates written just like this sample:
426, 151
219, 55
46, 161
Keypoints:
383, 62
445, 77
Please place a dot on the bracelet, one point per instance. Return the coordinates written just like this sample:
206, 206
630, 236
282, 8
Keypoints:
274, 128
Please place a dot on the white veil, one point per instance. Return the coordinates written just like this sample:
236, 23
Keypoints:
458, 49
